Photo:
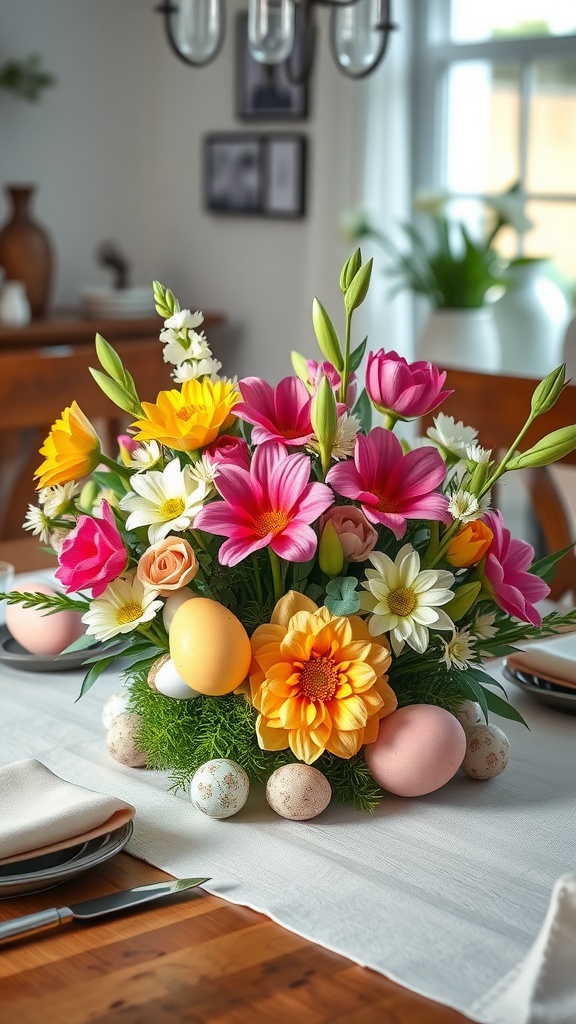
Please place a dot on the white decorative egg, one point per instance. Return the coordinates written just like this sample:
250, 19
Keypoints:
219, 788
116, 705
172, 604
164, 678
487, 752
469, 714
298, 791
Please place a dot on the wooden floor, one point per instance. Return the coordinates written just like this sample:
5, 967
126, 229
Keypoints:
188, 958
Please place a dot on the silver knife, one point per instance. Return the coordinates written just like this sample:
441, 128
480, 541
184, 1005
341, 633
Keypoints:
31, 923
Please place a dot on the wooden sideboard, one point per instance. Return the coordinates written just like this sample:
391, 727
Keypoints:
70, 328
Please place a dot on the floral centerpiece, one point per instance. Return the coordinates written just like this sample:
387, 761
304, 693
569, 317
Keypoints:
284, 581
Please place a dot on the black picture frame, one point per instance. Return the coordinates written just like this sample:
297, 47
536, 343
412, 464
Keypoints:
264, 92
253, 174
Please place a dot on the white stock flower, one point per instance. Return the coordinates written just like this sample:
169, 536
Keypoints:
405, 602
191, 369
451, 435
475, 453
459, 651
205, 472
123, 606
57, 498
184, 319
145, 456
483, 626
165, 501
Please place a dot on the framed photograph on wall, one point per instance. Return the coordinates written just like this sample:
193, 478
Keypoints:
265, 91
261, 175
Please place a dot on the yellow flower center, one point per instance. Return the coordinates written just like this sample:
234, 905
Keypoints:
171, 509
272, 521
318, 678
189, 411
401, 601
129, 613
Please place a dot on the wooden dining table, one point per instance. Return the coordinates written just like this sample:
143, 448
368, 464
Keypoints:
190, 957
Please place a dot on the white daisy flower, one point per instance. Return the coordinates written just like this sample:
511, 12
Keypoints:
405, 602
38, 523
56, 499
476, 453
459, 651
194, 368
145, 456
123, 606
165, 501
464, 506
451, 435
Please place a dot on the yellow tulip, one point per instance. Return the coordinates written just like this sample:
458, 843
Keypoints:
71, 450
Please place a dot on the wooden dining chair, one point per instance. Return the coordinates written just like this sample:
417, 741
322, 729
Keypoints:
35, 386
497, 407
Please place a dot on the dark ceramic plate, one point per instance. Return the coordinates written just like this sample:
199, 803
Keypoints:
38, 873
559, 697
12, 654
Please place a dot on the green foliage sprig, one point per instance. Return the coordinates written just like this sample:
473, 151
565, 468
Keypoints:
26, 78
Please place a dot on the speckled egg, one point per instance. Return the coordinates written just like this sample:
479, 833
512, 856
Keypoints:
164, 678
487, 752
122, 741
298, 791
469, 714
116, 705
418, 749
219, 788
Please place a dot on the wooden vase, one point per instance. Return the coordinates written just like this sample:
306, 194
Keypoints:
26, 252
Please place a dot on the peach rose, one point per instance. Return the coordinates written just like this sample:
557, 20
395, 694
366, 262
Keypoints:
355, 533
168, 565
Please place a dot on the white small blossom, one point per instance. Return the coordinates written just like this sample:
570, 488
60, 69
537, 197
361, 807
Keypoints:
145, 456
191, 369
459, 651
56, 499
184, 319
205, 473
475, 453
38, 523
451, 435
347, 429
181, 345
464, 506
483, 626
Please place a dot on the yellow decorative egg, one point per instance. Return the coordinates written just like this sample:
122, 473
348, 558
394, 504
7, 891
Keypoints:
209, 647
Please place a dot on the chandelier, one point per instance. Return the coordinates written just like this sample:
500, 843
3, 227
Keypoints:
278, 30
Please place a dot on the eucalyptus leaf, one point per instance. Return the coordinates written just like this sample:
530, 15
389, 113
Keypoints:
342, 597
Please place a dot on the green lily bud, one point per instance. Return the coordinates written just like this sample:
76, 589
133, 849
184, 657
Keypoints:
115, 392
89, 495
326, 335
109, 360
349, 270
358, 287
330, 553
479, 477
548, 391
165, 301
324, 419
463, 600
549, 449
300, 368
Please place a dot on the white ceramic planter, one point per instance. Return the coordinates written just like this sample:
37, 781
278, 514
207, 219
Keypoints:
531, 317
466, 338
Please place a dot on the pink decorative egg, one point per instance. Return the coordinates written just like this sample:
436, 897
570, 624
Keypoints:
418, 749
37, 631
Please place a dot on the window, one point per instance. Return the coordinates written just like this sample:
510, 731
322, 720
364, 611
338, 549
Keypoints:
495, 104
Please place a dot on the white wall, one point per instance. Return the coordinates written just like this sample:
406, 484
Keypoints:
116, 150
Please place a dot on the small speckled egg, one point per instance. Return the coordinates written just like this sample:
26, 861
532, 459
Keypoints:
418, 749
116, 705
219, 788
164, 678
469, 714
37, 631
172, 604
487, 752
298, 791
122, 741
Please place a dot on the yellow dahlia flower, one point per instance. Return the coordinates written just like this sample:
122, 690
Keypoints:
188, 419
71, 450
318, 681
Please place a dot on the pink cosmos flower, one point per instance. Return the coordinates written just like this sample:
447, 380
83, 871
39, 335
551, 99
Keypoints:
317, 370
506, 569
406, 389
392, 486
278, 414
272, 503
357, 537
226, 449
92, 555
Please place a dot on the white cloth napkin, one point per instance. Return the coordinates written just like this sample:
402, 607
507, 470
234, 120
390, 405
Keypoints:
542, 988
41, 813
554, 659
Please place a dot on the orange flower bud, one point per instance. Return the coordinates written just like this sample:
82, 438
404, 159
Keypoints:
469, 545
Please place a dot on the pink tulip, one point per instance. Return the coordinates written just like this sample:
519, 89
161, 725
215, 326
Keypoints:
357, 537
407, 390
271, 504
226, 449
92, 555
391, 486
506, 570
278, 414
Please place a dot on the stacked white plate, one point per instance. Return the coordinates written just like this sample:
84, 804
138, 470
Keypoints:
121, 303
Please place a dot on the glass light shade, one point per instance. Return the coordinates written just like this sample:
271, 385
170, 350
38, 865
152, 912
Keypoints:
270, 30
356, 41
198, 29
